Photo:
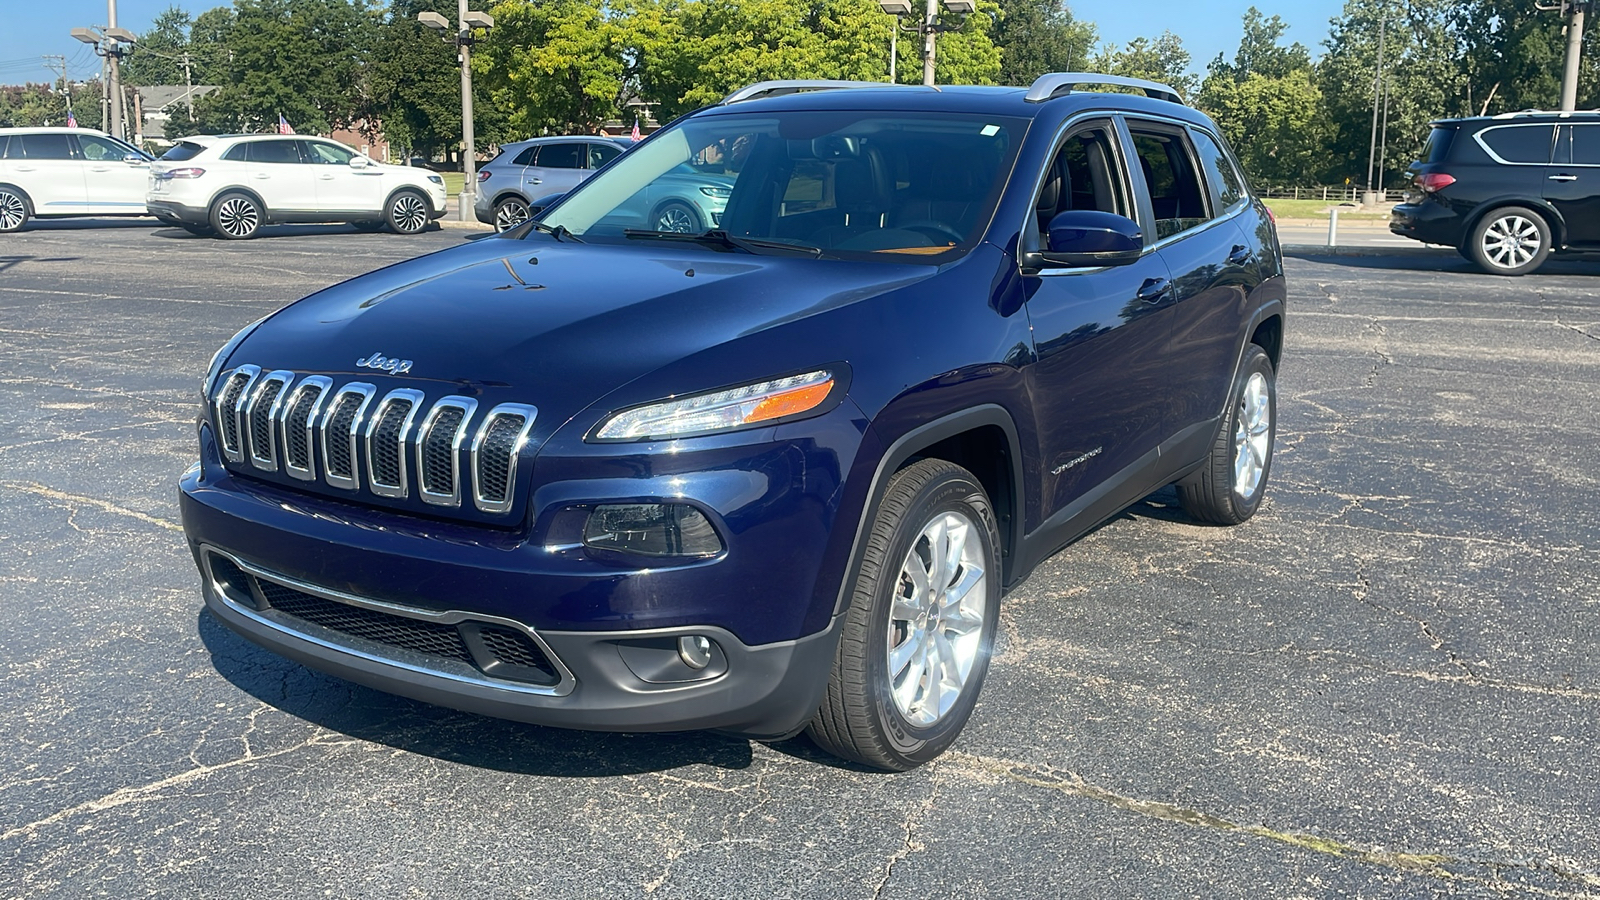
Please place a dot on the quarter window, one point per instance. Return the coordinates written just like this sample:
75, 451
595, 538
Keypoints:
1176, 192
525, 158
97, 149
600, 154
1520, 143
41, 146
561, 156
1226, 188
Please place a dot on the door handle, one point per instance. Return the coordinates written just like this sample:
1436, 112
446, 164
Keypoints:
262, 176
326, 177
1154, 289
536, 181
1563, 178
1240, 255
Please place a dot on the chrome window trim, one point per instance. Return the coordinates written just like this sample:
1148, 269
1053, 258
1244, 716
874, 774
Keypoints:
401, 489
310, 426
563, 686
1567, 126
365, 392
1478, 136
251, 373
530, 414
266, 463
468, 407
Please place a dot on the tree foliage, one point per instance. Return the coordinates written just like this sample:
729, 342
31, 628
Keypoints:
413, 83
26, 105
1040, 36
1266, 104
1162, 59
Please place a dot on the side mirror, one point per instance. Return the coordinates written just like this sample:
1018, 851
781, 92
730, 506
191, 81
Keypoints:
543, 203
1089, 238
359, 162
134, 159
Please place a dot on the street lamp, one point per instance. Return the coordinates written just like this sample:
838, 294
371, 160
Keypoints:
464, 37
929, 28
109, 45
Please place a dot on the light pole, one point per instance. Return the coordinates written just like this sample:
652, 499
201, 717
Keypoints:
928, 28
1573, 11
466, 25
109, 44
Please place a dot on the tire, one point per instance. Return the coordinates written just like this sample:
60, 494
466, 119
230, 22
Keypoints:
877, 710
15, 210
237, 217
1512, 240
677, 217
1228, 489
197, 230
511, 212
406, 213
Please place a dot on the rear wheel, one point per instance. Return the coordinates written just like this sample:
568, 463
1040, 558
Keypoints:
511, 212
236, 217
918, 635
1227, 490
407, 213
1511, 241
14, 210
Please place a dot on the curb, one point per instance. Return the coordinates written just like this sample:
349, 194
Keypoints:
1323, 250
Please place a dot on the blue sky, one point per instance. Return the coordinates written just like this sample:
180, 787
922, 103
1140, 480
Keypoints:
35, 27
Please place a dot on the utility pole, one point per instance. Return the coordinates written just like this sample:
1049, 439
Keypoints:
59, 64
464, 38
1377, 87
111, 45
1573, 11
188, 86
928, 26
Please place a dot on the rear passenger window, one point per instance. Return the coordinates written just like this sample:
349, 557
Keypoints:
1520, 143
41, 146
561, 156
1226, 188
273, 152
1176, 192
1579, 145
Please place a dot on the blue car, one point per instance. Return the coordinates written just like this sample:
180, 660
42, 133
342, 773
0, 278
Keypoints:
772, 473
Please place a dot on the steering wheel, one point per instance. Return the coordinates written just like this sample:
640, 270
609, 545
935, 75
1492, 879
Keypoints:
934, 230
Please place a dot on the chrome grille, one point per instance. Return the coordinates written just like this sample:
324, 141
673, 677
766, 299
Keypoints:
309, 429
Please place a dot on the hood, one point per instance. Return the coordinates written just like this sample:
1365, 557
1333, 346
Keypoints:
556, 325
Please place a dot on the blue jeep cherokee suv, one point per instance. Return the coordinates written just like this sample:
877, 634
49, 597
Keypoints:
772, 476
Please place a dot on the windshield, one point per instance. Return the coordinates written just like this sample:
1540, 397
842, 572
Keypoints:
862, 185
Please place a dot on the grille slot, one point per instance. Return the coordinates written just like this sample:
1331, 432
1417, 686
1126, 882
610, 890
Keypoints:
235, 388
495, 649
494, 455
340, 426
439, 443
299, 426
386, 442
262, 416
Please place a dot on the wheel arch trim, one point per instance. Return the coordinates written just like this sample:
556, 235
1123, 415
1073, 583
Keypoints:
405, 189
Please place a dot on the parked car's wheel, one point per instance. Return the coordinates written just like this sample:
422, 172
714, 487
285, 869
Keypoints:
14, 210
678, 217
511, 212
1228, 489
917, 638
1513, 240
407, 213
197, 230
236, 217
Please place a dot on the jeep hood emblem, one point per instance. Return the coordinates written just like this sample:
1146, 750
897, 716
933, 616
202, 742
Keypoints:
392, 365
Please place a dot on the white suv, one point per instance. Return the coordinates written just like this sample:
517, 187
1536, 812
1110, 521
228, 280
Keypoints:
50, 172
232, 185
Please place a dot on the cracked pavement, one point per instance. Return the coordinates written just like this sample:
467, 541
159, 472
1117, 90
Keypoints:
1384, 685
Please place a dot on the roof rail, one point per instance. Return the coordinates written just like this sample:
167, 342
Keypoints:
796, 85
1545, 112
1060, 84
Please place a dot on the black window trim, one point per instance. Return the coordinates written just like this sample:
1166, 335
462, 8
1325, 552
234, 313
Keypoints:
1550, 155
1119, 150
1215, 190
1215, 219
1562, 128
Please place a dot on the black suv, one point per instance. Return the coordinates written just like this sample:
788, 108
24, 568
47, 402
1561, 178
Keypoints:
1507, 191
774, 474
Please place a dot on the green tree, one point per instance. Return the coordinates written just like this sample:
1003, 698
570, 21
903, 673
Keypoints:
562, 65
413, 84
1266, 104
1040, 36
1163, 59
301, 59
1261, 51
158, 56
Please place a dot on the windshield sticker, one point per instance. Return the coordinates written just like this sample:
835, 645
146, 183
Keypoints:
990, 130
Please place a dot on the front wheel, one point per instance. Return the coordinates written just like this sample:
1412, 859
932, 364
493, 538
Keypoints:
511, 212
1228, 489
1511, 241
14, 211
676, 217
916, 641
407, 213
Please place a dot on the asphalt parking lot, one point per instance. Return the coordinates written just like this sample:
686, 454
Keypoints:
1385, 684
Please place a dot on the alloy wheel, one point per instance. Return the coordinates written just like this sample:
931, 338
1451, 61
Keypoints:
1511, 241
409, 216
238, 217
509, 214
936, 621
676, 219
1252, 436
13, 212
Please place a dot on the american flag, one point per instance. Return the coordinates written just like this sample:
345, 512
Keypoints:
635, 134
283, 125
72, 120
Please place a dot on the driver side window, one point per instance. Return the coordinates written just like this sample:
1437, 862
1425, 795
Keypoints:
1083, 176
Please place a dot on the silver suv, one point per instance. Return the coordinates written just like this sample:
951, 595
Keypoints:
525, 171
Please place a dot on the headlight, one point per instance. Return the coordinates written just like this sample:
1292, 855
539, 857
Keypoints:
221, 356
436, 180
717, 192
738, 407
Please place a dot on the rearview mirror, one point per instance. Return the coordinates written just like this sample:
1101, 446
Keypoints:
1089, 238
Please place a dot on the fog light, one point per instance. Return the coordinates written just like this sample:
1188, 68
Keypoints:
651, 529
695, 651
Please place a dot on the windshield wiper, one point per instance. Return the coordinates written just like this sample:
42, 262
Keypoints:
559, 232
718, 237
